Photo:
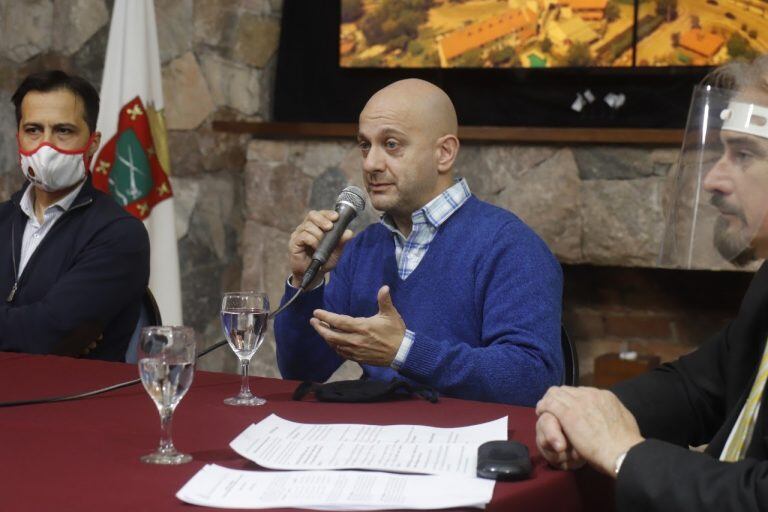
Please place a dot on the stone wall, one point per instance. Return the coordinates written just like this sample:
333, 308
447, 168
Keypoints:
238, 200
218, 59
591, 204
599, 208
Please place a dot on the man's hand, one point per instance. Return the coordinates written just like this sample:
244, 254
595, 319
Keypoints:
593, 424
374, 340
554, 446
305, 239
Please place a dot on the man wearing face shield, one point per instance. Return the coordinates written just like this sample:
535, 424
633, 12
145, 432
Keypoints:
73, 264
640, 432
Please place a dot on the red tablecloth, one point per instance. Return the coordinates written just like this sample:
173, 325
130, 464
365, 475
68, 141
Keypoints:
84, 455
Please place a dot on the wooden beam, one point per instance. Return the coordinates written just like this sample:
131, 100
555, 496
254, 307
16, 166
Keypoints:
570, 135
467, 133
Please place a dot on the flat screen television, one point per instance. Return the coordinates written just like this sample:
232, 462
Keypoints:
543, 63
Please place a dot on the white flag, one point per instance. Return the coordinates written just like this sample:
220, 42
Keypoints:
133, 163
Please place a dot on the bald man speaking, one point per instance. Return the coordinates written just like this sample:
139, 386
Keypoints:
446, 290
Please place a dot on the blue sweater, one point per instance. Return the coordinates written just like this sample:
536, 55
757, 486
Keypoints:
484, 302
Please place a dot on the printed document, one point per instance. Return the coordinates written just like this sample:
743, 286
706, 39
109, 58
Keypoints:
216, 486
277, 443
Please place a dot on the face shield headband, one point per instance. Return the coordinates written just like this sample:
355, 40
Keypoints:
745, 118
717, 196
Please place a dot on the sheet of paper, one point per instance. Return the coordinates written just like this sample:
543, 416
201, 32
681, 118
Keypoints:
216, 486
277, 443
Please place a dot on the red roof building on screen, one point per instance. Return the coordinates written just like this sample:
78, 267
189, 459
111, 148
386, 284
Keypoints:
586, 9
702, 43
521, 23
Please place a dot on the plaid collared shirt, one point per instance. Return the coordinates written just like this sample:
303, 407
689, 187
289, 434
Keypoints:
411, 250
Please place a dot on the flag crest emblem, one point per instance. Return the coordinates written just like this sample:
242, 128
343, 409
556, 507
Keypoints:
132, 166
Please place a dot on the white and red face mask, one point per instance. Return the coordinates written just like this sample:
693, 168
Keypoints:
52, 169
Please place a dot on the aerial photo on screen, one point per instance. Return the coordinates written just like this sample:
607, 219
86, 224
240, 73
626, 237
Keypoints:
550, 33
701, 32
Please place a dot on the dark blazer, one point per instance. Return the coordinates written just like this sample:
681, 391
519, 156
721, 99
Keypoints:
694, 401
84, 283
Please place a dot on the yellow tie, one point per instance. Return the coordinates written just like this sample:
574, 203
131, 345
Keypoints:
741, 434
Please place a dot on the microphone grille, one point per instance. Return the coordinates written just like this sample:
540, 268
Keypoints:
354, 197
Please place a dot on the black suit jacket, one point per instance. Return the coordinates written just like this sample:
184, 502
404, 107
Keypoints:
84, 283
694, 401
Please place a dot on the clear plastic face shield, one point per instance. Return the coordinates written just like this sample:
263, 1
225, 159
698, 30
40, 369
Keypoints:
717, 197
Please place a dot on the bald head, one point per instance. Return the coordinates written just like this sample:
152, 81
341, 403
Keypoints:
407, 135
418, 104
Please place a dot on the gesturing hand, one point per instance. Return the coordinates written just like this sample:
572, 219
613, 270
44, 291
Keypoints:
595, 424
373, 340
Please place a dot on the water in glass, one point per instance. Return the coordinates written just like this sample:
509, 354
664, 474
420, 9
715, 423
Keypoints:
244, 318
166, 367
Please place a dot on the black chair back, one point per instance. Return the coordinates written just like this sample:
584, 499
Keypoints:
149, 314
570, 359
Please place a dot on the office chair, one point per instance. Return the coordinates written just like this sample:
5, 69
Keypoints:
149, 314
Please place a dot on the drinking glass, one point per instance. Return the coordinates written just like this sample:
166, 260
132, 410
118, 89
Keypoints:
166, 365
244, 317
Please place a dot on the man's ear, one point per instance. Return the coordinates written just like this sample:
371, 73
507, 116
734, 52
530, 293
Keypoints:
447, 150
95, 144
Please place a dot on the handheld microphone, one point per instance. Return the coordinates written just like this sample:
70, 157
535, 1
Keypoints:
349, 204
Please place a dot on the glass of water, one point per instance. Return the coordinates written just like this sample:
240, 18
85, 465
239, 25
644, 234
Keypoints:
244, 317
166, 365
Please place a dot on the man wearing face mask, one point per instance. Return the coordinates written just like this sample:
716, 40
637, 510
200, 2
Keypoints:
73, 264
641, 430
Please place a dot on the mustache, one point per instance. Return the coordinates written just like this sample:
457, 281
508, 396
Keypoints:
718, 201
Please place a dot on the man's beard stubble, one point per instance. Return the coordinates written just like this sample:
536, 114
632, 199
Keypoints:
733, 246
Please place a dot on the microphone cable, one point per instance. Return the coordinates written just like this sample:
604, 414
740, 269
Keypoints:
88, 394
351, 197
349, 204
299, 290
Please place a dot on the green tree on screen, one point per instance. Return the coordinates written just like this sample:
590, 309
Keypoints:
578, 55
395, 18
739, 48
431, 59
398, 43
612, 12
470, 59
415, 48
506, 56
667, 9
695, 22
351, 10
